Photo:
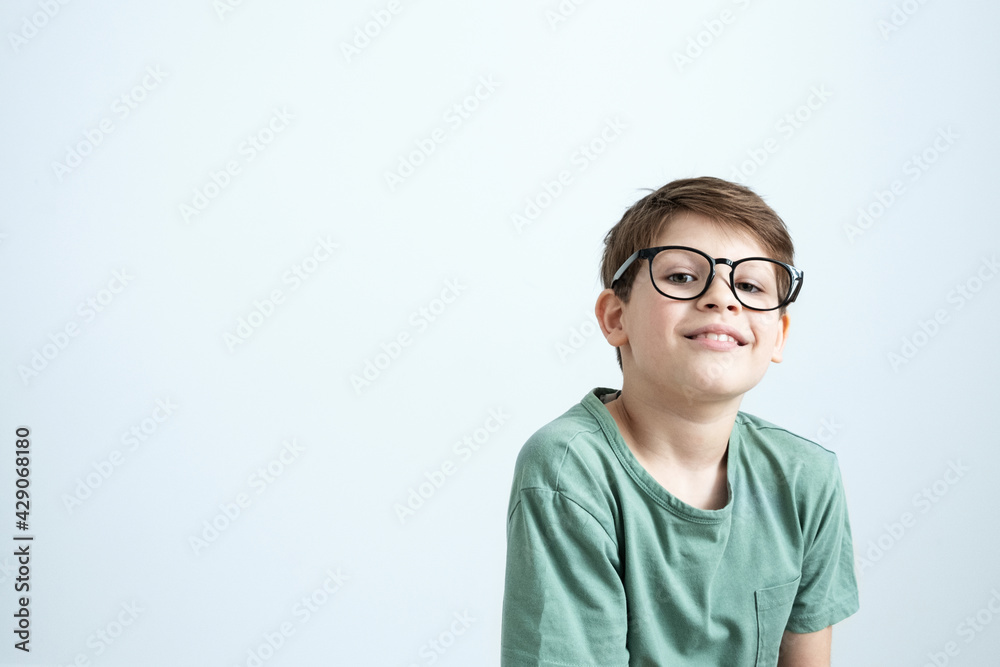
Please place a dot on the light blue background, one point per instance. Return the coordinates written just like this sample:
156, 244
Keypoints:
896, 428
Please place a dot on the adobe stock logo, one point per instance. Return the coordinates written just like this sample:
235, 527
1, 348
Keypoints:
105, 636
230, 511
900, 16
249, 149
578, 337
303, 611
122, 107
419, 320
223, 7
455, 116
435, 648
103, 469
436, 478
968, 629
561, 12
88, 309
924, 500
550, 190
265, 307
365, 34
914, 167
698, 43
787, 126
31, 25
960, 295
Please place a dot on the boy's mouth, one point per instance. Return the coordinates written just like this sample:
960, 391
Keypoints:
718, 332
712, 336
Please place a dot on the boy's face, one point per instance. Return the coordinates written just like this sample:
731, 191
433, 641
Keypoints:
666, 346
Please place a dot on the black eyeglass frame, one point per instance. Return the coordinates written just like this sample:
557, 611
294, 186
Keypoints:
649, 253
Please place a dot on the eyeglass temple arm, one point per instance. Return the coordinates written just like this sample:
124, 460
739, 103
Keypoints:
624, 267
797, 276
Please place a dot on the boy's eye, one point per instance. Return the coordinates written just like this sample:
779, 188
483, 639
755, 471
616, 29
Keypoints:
749, 288
681, 278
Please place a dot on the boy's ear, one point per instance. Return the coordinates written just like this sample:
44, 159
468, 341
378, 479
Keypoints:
779, 341
610, 311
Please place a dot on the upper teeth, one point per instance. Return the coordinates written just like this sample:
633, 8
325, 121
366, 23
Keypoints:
712, 336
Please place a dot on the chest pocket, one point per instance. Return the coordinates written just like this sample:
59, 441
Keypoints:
774, 606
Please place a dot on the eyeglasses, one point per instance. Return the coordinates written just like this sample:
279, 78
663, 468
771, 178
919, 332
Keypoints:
683, 273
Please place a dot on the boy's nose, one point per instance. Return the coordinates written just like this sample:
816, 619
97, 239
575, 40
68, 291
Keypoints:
720, 292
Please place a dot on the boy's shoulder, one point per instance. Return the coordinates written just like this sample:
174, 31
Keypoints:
570, 459
573, 437
787, 457
779, 440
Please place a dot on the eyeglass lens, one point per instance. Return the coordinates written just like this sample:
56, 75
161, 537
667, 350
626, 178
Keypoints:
683, 274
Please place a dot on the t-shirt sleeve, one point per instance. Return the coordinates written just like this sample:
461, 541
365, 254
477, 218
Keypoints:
564, 601
828, 591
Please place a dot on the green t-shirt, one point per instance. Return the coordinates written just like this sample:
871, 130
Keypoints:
606, 568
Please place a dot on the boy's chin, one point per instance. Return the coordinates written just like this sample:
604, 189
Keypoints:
709, 383
705, 395
713, 390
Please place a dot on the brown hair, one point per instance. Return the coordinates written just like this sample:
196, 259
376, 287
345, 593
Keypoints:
730, 204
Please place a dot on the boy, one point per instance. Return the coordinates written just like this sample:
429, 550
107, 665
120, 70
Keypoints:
658, 525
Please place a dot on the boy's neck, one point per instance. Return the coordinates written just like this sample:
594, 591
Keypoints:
681, 436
